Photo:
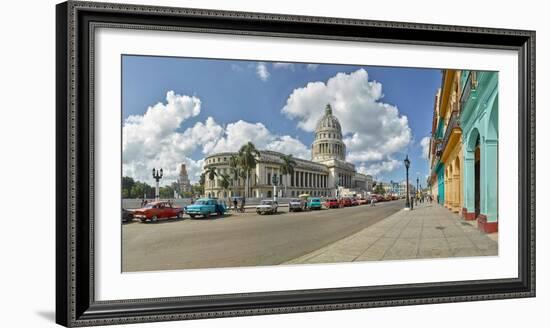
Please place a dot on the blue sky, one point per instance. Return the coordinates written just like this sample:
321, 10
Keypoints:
228, 91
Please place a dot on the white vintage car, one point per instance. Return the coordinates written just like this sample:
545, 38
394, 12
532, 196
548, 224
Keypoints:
267, 206
296, 204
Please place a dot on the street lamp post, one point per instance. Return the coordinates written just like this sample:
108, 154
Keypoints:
275, 181
407, 164
157, 175
417, 190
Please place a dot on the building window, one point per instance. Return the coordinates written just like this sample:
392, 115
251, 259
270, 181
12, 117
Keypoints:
269, 178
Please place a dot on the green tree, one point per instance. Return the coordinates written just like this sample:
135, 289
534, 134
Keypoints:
202, 179
379, 189
198, 189
166, 192
211, 173
127, 184
288, 167
247, 159
225, 181
138, 190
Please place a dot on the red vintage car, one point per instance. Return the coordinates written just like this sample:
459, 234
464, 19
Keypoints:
345, 201
332, 203
354, 202
155, 211
379, 198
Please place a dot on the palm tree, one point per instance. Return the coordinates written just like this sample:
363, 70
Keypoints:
247, 159
202, 180
211, 173
224, 181
235, 171
288, 166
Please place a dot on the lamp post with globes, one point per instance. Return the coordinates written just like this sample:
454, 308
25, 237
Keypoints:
407, 165
157, 175
275, 182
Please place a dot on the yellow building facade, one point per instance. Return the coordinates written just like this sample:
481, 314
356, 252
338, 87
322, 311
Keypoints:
450, 147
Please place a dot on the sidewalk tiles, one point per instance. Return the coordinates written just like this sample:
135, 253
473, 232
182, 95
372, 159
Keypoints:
428, 231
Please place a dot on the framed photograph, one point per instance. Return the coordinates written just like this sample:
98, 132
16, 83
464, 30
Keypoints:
215, 164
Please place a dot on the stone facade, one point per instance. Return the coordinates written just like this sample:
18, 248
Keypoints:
479, 121
464, 146
326, 174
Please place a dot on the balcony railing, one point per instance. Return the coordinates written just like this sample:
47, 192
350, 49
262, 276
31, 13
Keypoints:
453, 124
471, 85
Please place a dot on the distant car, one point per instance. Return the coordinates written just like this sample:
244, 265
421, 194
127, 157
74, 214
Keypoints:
127, 216
295, 204
205, 207
332, 203
315, 203
394, 197
362, 201
354, 202
379, 198
155, 211
345, 201
267, 206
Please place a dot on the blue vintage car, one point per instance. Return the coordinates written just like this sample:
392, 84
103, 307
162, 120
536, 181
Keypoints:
315, 203
205, 207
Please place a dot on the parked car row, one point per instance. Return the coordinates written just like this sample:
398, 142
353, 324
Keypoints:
206, 207
162, 210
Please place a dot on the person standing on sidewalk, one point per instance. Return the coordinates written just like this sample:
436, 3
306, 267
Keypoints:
242, 205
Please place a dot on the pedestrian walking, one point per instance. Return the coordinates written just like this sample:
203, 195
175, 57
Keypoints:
235, 204
243, 201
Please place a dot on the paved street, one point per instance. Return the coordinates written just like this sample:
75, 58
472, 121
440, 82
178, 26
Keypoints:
429, 231
243, 239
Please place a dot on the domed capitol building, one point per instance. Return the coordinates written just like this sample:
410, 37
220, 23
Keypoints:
326, 174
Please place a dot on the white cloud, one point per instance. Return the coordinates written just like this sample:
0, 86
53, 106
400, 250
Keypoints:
375, 169
425, 143
312, 67
373, 130
289, 66
155, 140
289, 145
261, 70
236, 67
238, 133
151, 140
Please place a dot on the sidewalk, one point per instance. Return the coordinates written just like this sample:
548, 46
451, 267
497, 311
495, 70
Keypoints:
428, 231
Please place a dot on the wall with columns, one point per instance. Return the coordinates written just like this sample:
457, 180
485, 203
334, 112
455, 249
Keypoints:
480, 124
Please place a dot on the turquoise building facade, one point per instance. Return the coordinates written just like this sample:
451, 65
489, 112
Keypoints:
479, 123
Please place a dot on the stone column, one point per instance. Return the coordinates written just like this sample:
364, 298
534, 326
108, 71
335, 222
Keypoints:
469, 183
490, 185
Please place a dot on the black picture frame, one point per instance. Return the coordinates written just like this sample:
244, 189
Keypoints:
75, 302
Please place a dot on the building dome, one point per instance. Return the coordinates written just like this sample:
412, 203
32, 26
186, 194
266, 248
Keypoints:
328, 121
328, 142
